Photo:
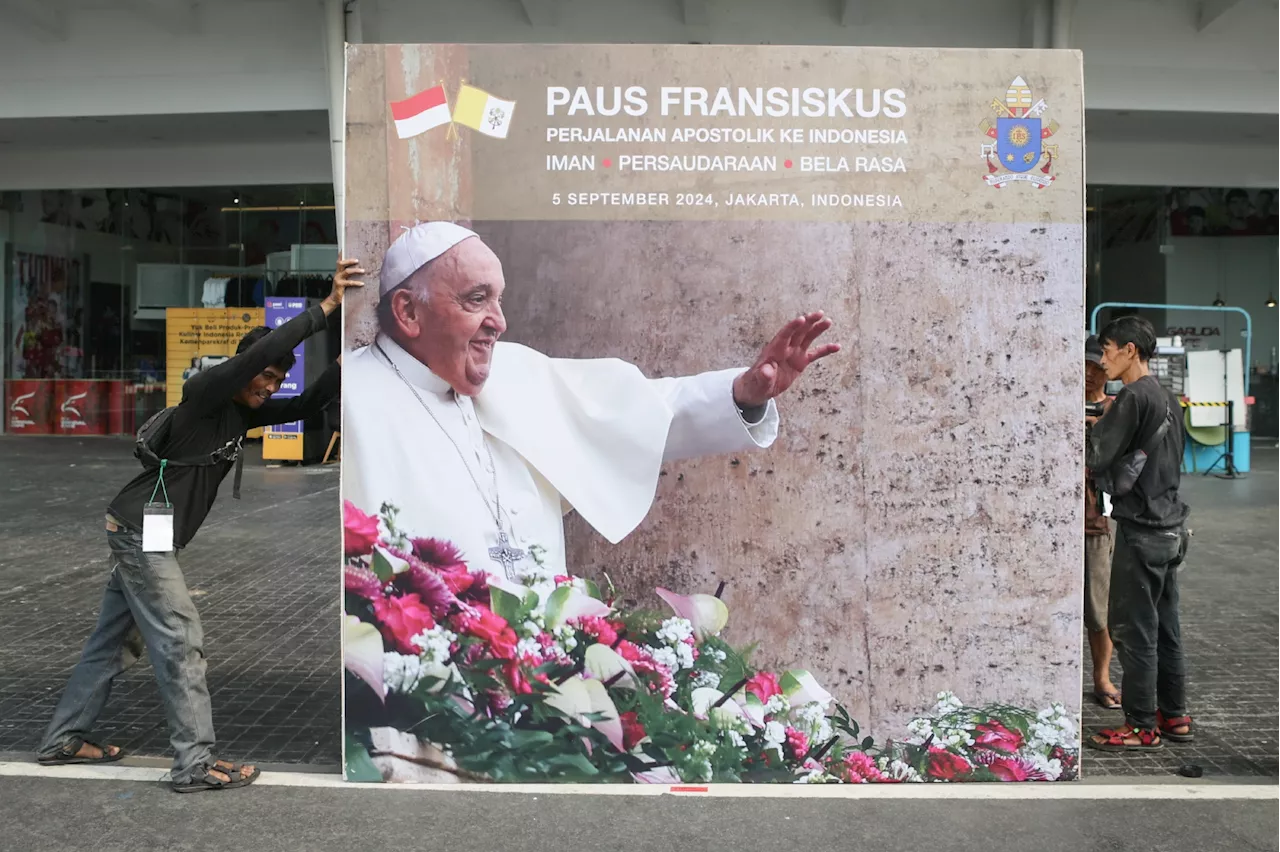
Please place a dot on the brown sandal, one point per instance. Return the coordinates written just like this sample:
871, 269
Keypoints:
208, 781
1116, 739
1107, 700
1167, 726
69, 754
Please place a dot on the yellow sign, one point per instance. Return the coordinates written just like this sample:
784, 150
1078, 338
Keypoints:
282, 446
194, 333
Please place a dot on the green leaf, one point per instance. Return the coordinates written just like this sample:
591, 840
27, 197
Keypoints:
359, 766
555, 605
593, 589
505, 604
382, 567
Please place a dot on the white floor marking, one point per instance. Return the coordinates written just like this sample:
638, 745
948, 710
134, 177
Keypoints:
1170, 790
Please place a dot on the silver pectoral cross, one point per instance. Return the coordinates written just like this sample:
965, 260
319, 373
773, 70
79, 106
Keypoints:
506, 555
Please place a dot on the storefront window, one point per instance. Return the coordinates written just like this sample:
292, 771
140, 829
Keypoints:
91, 278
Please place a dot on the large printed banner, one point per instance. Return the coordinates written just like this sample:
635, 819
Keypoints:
603, 519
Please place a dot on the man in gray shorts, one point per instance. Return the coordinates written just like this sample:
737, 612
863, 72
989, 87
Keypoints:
1099, 545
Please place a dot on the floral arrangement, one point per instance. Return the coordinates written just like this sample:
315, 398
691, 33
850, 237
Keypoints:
543, 678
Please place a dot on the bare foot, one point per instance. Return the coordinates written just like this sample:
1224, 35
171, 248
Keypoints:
92, 752
220, 769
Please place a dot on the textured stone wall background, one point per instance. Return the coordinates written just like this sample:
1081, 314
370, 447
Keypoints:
916, 526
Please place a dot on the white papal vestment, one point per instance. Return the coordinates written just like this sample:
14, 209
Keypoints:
585, 435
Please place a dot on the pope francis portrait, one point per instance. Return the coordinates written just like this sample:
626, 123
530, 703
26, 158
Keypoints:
488, 444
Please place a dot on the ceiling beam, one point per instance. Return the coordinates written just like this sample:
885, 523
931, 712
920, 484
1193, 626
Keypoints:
1211, 11
46, 21
541, 13
852, 13
694, 13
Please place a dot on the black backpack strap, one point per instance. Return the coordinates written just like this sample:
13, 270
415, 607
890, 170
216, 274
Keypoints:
1154, 441
235, 483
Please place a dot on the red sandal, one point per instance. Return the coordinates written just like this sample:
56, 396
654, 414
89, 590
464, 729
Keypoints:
1114, 740
1167, 726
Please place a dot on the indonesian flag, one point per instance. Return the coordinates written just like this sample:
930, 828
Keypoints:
481, 111
421, 112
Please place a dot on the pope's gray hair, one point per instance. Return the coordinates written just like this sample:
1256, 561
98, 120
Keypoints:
418, 285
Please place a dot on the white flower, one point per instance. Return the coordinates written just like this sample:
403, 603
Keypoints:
777, 705
899, 771
775, 733
716, 654
665, 657
530, 628
735, 738
684, 653
1051, 769
703, 678
434, 644
528, 647
920, 728
947, 703
401, 672
815, 776
565, 637
675, 630
811, 719
704, 748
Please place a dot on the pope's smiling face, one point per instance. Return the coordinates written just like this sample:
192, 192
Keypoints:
454, 331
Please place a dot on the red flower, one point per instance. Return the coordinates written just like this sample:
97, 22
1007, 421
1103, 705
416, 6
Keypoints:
946, 766
359, 531
764, 686
860, 768
997, 737
632, 731
599, 629
1010, 769
516, 678
439, 554
362, 582
630, 652
425, 583
492, 629
798, 742
402, 618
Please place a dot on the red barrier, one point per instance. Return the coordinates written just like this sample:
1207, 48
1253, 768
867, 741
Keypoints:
115, 409
28, 406
79, 407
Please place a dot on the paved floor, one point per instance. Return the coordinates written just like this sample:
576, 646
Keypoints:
106, 816
1229, 627
261, 571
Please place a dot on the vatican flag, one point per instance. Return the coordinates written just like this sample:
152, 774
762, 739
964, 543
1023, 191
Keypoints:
479, 110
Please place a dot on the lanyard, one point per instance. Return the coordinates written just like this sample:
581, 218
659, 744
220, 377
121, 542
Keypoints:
160, 485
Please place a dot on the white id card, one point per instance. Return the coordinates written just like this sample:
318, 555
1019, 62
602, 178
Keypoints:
157, 528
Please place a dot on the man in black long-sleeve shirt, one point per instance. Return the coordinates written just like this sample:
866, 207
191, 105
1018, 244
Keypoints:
1151, 543
146, 602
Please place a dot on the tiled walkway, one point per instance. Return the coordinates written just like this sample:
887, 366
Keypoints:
263, 572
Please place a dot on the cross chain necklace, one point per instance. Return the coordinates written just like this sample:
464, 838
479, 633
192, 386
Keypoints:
504, 554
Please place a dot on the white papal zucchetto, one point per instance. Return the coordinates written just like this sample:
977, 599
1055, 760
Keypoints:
415, 248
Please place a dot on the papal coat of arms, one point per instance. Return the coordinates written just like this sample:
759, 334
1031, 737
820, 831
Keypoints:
1019, 132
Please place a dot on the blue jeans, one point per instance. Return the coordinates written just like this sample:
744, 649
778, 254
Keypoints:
146, 604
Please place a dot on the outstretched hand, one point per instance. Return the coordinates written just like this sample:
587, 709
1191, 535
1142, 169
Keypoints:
783, 360
343, 277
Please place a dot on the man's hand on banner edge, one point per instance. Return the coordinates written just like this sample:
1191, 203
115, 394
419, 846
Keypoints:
343, 277
782, 360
